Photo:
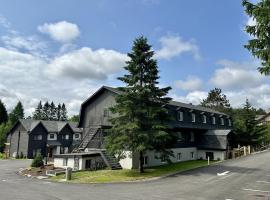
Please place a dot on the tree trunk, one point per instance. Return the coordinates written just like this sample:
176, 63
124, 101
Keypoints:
141, 162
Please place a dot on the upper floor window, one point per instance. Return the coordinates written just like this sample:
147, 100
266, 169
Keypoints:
193, 117
65, 137
77, 136
229, 122
213, 120
106, 112
37, 137
222, 121
180, 116
204, 119
52, 136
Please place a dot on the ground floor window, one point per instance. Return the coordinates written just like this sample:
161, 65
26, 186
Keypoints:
36, 152
210, 155
65, 161
192, 155
88, 164
145, 160
179, 156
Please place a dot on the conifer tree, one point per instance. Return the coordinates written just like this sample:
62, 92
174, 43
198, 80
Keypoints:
58, 112
38, 114
139, 125
259, 45
3, 113
46, 111
63, 113
53, 112
17, 113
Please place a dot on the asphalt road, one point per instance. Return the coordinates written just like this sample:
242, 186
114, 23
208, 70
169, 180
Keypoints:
245, 178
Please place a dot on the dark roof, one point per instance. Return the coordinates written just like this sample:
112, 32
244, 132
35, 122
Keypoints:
50, 126
173, 103
214, 139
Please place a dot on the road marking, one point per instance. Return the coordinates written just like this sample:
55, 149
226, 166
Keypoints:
263, 182
227, 176
252, 190
223, 174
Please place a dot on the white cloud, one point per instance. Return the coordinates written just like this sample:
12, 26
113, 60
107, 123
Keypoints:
4, 22
191, 83
62, 31
194, 97
235, 75
87, 63
251, 21
172, 46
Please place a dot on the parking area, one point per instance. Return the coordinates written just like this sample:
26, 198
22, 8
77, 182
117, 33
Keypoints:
245, 178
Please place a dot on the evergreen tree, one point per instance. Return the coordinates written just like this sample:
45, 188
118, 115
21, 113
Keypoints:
53, 112
259, 45
217, 101
74, 118
58, 112
63, 113
4, 129
140, 110
17, 113
3, 113
248, 132
38, 114
46, 111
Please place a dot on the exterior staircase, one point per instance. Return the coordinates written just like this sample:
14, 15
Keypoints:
110, 160
86, 139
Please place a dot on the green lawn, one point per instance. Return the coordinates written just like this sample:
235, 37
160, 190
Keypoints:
104, 176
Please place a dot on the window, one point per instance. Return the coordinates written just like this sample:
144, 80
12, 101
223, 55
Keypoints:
65, 161
229, 122
204, 119
51, 136
65, 137
192, 155
106, 112
77, 136
37, 137
193, 117
213, 120
222, 121
180, 116
191, 137
66, 150
180, 137
36, 152
179, 156
145, 160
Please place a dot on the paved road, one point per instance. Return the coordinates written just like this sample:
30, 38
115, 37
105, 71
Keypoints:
248, 179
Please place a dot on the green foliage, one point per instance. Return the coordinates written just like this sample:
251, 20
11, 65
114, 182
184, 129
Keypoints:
63, 113
3, 113
4, 129
259, 45
140, 110
247, 131
17, 113
38, 161
1, 156
217, 101
74, 118
38, 114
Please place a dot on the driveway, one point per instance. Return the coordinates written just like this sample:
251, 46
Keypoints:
245, 178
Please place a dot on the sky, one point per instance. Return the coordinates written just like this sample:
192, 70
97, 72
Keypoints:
63, 51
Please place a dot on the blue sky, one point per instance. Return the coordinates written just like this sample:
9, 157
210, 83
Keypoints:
64, 50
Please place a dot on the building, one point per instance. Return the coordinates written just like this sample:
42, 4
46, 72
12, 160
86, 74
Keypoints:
29, 137
263, 119
202, 133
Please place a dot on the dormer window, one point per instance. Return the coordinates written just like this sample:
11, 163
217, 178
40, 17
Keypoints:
193, 117
213, 120
180, 116
204, 119
222, 121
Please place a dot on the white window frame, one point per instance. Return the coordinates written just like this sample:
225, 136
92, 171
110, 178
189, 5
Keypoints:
193, 117
38, 137
213, 120
54, 136
222, 121
204, 119
230, 122
77, 138
180, 116
65, 150
67, 137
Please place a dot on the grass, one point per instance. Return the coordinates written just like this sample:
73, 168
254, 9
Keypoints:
106, 176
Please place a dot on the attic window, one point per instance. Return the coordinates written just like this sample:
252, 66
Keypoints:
193, 117
204, 119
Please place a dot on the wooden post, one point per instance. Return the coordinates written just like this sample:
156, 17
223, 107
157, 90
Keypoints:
245, 153
68, 173
249, 152
208, 159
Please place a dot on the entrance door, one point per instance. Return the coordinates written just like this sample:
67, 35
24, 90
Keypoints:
88, 164
210, 155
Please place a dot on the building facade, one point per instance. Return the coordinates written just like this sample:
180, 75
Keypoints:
202, 133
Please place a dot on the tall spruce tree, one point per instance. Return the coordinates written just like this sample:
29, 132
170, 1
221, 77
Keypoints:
38, 114
141, 116
3, 113
259, 45
217, 101
46, 111
17, 113
53, 112
58, 112
63, 113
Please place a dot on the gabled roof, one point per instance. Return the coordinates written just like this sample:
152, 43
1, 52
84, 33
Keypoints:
50, 126
262, 117
117, 91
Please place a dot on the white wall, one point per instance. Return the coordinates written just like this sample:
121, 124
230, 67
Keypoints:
217, 154
126, 163
58, 162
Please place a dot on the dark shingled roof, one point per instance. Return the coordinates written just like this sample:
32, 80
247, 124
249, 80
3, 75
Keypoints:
51, 126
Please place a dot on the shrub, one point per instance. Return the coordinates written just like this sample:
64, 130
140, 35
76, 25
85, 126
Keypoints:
38, 161
1, 156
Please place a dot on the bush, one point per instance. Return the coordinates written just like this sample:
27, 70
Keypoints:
38, 161
1, 156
